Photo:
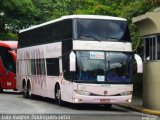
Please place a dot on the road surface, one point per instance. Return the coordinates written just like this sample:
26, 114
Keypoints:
14, 106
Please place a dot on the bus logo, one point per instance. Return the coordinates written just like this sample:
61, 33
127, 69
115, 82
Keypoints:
105, 92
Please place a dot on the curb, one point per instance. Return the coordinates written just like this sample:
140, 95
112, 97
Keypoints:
142, 110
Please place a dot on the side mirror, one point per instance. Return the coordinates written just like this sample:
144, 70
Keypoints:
139, 63
72, 62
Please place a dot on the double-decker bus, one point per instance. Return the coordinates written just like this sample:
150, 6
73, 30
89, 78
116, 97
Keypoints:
77, 59
8, 65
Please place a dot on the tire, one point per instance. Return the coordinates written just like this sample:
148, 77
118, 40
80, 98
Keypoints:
29, 91
58, 95
15, 89
25, 91
1, 89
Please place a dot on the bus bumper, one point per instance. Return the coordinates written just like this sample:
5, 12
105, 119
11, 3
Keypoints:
102, 99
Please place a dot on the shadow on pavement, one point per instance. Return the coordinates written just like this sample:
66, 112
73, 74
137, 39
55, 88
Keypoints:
93, 107
14, 92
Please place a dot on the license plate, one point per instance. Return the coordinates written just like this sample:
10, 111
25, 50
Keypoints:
104, 100
8, 83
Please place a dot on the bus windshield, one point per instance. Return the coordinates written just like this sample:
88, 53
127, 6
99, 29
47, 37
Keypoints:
94, 66
102, 30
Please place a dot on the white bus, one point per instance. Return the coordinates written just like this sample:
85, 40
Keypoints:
77, 59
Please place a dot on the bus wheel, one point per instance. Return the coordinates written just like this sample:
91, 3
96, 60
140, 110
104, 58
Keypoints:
58, 95
29, 92
1, 89
25, 91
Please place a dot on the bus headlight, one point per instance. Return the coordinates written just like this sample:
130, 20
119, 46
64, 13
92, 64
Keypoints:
82, 92
126, 93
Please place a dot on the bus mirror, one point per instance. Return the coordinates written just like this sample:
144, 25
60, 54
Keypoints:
72, 63
139, 63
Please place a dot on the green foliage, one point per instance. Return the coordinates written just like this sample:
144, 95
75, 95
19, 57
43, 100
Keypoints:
8, 36
17, 14
44, 10
135, 8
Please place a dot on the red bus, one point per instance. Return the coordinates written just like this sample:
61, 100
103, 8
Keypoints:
8, 65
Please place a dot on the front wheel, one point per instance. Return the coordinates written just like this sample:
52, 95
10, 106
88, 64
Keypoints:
58, 95
1, 90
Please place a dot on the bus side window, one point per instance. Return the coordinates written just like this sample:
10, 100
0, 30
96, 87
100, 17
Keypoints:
8, 62
52, 66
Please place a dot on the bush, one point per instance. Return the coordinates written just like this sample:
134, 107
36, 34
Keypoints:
8, 36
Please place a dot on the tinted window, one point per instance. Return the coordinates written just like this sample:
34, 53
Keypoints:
54, 32
104, 66
102, 30
37, 66
52, 66
8, 62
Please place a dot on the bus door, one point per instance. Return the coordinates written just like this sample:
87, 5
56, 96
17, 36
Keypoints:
67, 83
8, 70
2, 72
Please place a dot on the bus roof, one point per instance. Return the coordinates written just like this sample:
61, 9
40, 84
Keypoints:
9, 44
73, 17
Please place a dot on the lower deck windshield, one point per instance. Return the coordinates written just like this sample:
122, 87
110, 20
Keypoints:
105, 67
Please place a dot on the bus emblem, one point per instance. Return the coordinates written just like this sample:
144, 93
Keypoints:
105, 92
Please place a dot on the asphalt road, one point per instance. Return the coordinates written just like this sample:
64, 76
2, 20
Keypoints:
14, 106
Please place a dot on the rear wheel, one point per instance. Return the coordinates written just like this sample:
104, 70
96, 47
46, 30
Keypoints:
58, 95
29, 91
25, 91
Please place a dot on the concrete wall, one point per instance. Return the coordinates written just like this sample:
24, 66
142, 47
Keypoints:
148, 24
151, 85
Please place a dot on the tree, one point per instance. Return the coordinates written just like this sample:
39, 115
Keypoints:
16, 15
19, 14
45, 10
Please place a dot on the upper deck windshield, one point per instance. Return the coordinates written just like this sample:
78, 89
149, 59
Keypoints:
102, 30
103, 67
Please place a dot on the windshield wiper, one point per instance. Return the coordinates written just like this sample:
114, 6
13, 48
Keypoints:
98, 70
90, 37
112, 38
